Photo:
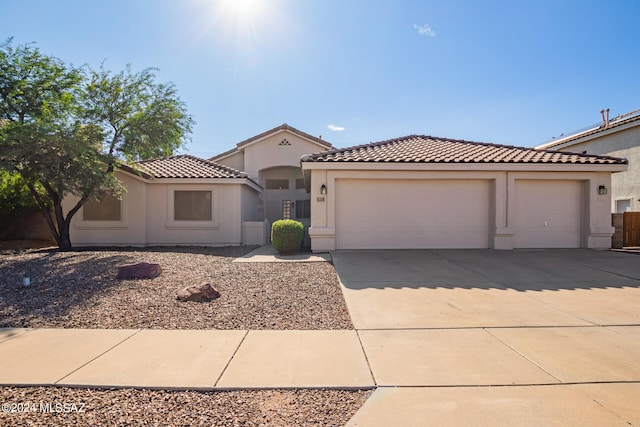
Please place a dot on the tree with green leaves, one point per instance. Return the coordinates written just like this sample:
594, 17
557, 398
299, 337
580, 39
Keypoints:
66, 130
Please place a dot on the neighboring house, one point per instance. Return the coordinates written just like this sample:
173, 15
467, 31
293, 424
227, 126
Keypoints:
426, 192
619, 137
272, 159
185, 200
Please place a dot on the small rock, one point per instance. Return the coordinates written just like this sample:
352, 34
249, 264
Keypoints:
141, 270
203, 292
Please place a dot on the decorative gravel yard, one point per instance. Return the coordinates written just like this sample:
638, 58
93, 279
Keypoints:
80, 290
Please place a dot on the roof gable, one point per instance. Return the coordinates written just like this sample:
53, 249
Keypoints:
428, 149
322, 144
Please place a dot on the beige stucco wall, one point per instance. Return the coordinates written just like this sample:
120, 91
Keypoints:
267, 153
130, 230
223, 230
624, 144
596, 225
251, 206
147, 212
235, 161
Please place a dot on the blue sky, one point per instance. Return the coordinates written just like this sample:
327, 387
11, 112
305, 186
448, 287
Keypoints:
356, 71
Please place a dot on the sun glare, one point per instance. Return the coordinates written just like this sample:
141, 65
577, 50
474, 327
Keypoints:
245, 27
244, 9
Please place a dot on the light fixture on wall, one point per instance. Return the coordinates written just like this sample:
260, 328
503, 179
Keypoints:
323, 189
602, 190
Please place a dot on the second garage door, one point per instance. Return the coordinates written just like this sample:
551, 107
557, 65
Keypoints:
548, 214
405, 214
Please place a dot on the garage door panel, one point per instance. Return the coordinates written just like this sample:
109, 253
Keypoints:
548, 214
395, 214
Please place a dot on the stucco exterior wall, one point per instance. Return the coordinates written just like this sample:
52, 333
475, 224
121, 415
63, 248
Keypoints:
224, 228
268, 152
129, 231
251, 210
235, 161
596, 227
624, 144
147, 216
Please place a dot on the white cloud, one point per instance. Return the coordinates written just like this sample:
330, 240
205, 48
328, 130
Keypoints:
424, 30
335, 128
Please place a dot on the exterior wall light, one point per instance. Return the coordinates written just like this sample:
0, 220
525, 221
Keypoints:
323, 189
602, 190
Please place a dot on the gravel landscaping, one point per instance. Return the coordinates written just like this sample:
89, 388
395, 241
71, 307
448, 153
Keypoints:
80, 290
48, 406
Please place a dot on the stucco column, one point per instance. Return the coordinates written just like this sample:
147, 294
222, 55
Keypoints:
502, 206
599, 229
322, 236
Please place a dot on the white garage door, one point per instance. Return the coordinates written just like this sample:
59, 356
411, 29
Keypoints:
548, 214
404, 214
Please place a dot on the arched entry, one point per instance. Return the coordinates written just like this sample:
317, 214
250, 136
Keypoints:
284, 195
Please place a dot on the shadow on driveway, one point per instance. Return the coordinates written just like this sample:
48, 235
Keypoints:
521, 270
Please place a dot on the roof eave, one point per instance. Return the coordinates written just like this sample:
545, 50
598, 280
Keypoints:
415, 166
588, 135
284, 128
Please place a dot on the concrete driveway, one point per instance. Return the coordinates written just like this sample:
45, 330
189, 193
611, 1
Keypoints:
558, 330
406, 289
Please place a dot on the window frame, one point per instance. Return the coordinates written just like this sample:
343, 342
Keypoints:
172, 223
123, 223
624, 199
286, 209
302, 203
281, 180
119, 219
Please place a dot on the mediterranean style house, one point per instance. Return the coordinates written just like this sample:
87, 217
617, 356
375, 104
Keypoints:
410, 192
619, 137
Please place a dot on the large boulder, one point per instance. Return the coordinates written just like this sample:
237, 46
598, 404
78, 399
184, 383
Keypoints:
203, 292
141, 270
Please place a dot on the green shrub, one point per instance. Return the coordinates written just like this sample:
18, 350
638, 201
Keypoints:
15, 198
287, 235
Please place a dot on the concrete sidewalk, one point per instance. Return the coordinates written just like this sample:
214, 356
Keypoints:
183, 359
460, 376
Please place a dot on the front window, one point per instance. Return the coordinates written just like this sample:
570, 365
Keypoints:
623, 205
192, 205
107, 209
277, 184
286, 209
303, 209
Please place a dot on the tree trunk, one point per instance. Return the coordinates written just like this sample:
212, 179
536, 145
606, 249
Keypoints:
64, 242
61, 226
64, 224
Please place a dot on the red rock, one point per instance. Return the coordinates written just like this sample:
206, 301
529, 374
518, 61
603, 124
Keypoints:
142, 270
203, 292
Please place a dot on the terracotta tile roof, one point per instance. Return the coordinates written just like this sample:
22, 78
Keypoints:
428, 149
186, 166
